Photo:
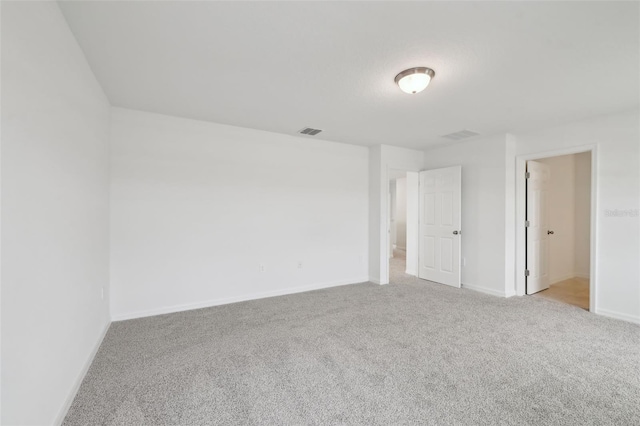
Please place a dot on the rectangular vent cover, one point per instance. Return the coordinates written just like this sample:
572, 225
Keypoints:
463, 134
309, 131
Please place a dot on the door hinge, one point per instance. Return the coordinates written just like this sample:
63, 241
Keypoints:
527, 175
526, 273
527, 224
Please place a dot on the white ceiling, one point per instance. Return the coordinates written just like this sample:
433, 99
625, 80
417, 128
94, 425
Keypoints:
499, 66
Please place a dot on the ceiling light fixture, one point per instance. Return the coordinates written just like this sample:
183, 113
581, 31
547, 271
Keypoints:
414, 80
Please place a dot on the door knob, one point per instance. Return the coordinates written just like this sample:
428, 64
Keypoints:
455, 232
549, 232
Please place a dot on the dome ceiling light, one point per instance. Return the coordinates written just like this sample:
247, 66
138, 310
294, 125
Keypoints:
414, 80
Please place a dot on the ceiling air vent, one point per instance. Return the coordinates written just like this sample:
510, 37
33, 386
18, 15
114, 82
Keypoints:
309, 131
462, 134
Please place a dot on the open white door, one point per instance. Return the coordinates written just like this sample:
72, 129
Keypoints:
413, 222
440, 213
538, 176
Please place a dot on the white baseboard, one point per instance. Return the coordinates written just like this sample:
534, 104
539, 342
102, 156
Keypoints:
618, 315
485, 290
228, 300
411, 272
568, 277
561, 278
76, 386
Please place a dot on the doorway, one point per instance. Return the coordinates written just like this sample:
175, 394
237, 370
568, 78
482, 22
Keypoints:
558, 228
397, 224
402, 224
423, 225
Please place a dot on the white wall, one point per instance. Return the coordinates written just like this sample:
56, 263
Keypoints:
561, 216
582, 237
196, 207
401, 213
55, 214
377, 189
484, 210
616, 138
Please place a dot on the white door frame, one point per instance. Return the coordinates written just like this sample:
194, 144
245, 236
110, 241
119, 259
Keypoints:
521, 252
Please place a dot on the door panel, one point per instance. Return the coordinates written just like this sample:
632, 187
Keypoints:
440, 217
430, 209
429, 252
446, 254
537, 238
447, 208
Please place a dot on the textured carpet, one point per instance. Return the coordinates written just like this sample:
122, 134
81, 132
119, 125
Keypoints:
411, 352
